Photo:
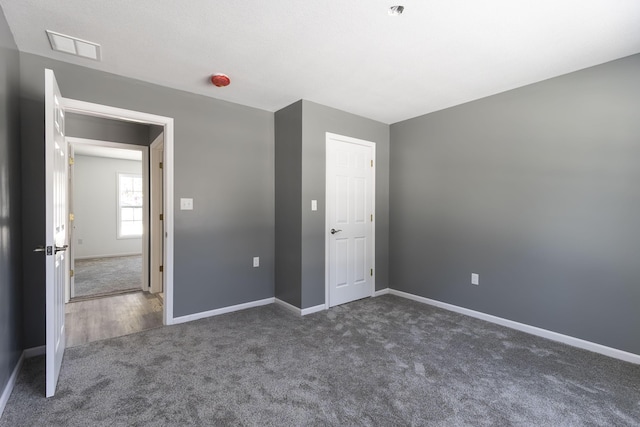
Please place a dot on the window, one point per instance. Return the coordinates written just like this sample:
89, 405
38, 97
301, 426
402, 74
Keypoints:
129, 205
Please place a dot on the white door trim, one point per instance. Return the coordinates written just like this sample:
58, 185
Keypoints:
371, 145
155, 210
69, 288
74, 141
98, 110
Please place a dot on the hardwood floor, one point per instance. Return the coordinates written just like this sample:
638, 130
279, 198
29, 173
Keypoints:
113, 316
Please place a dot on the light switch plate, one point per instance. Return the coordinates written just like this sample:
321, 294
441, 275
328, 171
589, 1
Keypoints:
256, 261
314, 205
475, 279
186, 204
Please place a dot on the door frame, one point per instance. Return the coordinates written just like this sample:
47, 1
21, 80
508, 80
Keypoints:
104, 111
155, 210
69, 285
74, 142
329, 193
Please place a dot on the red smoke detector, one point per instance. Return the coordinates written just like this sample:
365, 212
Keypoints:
220, 80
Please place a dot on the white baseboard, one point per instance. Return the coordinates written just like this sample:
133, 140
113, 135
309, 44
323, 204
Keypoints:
566, 339
292, 308
106, 255
314, 309
381, 292
223, 310
6, 393
34, 351
298, 311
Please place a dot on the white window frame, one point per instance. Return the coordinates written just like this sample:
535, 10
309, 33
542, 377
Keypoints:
119, 206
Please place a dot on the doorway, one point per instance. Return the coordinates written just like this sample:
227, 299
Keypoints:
109, 292
108, 205
57, 267
350, 219
165, 235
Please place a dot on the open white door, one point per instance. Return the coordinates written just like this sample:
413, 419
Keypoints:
349, 219
57, 269
157, 215
71, 284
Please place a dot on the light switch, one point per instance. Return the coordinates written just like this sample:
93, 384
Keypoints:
314, 205
256, 261
186, 204
475, 279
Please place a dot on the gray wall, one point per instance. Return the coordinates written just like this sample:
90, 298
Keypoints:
537, 190
154, 132
95, 201
10, 259
316, 121
82, 126
288, 192
224, 160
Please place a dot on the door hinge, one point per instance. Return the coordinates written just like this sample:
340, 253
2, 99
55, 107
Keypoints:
372, 272
160, 165
71, 161
161, 217
72, 217
371, 217
71, 273
161, 269
371, 163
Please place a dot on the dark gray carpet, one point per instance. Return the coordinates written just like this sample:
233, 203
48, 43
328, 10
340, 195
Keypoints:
381, 362
96, 276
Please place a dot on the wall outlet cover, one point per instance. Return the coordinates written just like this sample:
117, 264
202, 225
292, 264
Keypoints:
186, 204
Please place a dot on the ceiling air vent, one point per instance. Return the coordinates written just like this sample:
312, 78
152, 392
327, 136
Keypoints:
74, 46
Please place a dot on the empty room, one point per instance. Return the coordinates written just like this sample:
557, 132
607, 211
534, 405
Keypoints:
332, 213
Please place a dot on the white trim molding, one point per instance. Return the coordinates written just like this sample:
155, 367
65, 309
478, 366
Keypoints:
533, 330
290, 307
300, 311
6, 393
381, 292
223, 310
311, 310
35, 351
109, 255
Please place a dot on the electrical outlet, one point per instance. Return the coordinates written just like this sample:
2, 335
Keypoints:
186, 204
475, 279
256, 261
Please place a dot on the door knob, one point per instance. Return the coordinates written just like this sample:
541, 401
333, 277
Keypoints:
334, 231
48, 250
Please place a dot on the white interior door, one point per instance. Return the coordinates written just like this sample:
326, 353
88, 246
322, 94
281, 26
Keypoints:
350, 218
157, 215
71, 286
57, 269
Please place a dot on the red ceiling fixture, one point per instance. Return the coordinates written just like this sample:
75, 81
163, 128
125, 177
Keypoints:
220, 80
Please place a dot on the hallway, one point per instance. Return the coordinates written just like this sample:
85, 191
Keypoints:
101, 318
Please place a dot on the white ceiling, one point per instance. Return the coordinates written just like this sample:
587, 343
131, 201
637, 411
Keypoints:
350, 55
109, 152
